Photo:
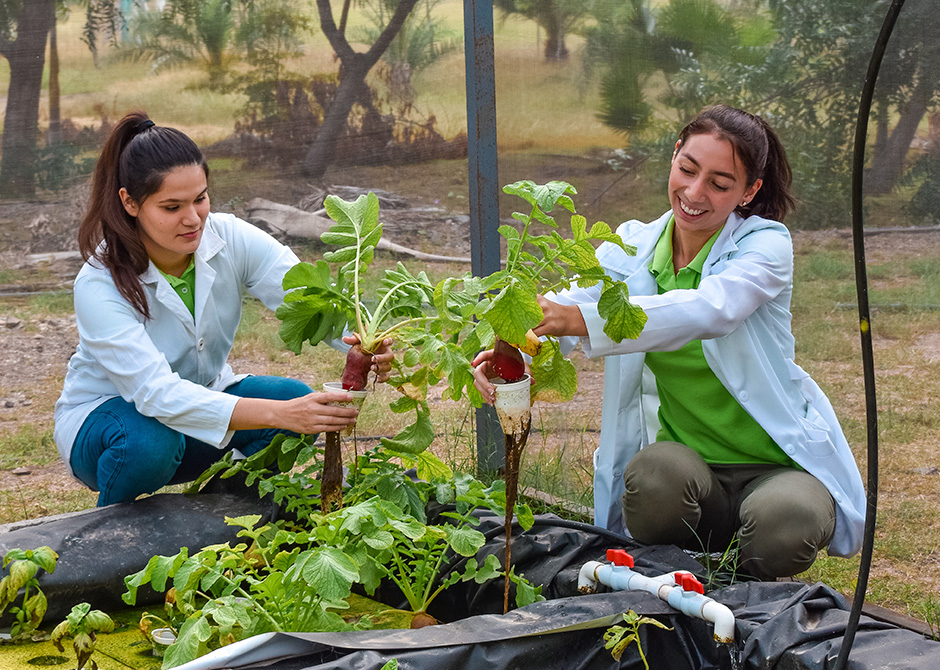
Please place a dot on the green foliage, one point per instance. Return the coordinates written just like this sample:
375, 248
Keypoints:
295, 574
440, 327
23, 566
422, 41
930, 611
57, 166
82, 625
618, 638
216, 33
276, 580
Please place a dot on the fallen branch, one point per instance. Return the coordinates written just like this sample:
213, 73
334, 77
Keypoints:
286, 221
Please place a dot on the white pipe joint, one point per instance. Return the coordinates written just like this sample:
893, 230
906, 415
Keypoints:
665, 587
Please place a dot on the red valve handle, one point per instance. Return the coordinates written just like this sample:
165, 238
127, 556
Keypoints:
688, 582
620, 557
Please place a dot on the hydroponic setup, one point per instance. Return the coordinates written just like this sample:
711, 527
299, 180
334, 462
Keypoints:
333, 552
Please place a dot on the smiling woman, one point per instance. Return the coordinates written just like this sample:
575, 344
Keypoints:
713, 435
149, 398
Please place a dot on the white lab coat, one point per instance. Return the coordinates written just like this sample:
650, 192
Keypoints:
171, 366
741, 312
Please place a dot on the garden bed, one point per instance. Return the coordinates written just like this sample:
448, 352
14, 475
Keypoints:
778, 624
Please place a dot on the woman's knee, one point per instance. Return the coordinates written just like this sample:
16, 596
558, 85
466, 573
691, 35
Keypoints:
784, 525
666, 485
661, 465
269, 387
122, 453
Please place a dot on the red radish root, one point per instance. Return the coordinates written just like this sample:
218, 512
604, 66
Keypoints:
356, 372
507, 362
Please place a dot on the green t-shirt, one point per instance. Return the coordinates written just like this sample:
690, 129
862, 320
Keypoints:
695, 408
185, 286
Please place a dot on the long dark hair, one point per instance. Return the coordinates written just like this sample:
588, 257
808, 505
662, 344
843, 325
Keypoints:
761, 153
137, 156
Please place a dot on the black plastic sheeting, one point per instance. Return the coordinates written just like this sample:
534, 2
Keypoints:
98, 547
780, 625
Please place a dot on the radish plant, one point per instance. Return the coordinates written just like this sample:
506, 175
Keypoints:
439, 328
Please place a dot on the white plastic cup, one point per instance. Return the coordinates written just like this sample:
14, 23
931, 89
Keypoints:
359, 397
162, 638
513, 404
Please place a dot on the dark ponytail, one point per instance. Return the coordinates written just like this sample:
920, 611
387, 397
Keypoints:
761, 153
136, 156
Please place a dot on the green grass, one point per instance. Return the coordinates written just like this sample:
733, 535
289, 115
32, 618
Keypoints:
28, 446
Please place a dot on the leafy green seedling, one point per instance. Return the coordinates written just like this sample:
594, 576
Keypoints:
82, 624
618, 638
23, 566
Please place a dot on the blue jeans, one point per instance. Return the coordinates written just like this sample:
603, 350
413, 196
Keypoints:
121, 453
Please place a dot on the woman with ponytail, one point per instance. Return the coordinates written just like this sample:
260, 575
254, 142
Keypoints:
149, 398
711, 435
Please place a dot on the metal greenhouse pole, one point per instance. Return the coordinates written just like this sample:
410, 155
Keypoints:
484, 186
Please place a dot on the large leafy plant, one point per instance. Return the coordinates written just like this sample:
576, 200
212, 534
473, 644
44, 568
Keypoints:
295, 574
540, 260
439, 327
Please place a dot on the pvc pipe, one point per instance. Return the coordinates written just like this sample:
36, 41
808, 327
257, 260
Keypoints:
665, 587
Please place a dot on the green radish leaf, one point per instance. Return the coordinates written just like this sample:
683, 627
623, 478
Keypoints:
555, 378
623, 318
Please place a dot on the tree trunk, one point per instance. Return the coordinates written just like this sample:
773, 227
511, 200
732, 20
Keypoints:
55, 96
888, 164
555, 49
353, 70
26, 56
351, 87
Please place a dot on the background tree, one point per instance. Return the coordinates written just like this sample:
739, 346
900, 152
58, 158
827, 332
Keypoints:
24, 28
557, 18
421, 42
636, 49
184, 31
353, 69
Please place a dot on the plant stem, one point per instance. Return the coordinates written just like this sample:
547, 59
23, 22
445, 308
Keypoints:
407, 322
331, 488
515, 443
376, 315
403, 583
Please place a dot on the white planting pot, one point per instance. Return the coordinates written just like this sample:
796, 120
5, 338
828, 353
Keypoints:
359, 397
513, 404
162, 638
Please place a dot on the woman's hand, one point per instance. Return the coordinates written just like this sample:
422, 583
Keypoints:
483, 372
381, 359
560, 320
316, 412
482, 375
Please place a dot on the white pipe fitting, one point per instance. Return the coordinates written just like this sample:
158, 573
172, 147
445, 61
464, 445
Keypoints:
665, 587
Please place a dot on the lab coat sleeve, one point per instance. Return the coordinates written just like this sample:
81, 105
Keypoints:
758, 270
116, 338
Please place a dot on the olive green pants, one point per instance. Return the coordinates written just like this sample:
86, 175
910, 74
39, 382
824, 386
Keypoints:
780, 516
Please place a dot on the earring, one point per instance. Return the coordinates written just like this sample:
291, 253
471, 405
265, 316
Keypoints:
744, 203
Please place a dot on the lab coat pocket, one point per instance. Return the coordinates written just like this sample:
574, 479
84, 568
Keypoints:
818, 441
